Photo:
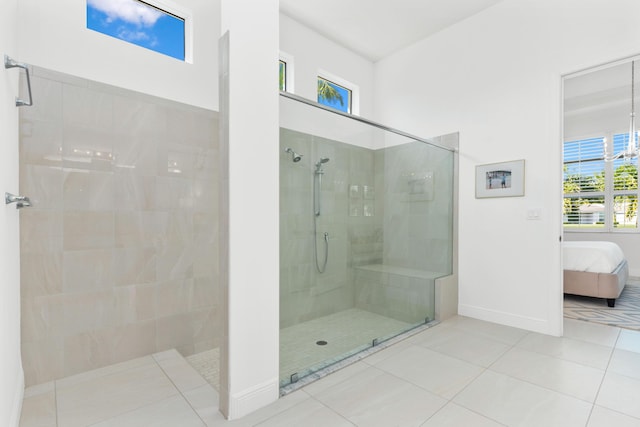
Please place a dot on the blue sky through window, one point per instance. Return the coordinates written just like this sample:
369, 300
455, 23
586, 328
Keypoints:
345, 105
138, 23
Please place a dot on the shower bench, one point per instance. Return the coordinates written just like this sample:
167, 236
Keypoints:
405, 294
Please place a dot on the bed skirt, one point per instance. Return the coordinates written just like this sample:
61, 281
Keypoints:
599, 285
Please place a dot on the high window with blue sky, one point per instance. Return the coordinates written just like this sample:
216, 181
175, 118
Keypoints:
145, 24
334, 95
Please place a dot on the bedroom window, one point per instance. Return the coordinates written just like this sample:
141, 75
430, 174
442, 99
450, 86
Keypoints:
599, 195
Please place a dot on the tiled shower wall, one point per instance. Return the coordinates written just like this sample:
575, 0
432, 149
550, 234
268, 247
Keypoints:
119, 254
392, 206
417, 183
306, 294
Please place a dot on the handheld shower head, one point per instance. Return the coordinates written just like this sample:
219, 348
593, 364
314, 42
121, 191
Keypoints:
294, 156
322, 161
319, 170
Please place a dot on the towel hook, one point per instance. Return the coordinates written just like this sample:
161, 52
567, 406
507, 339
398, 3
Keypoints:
10, 63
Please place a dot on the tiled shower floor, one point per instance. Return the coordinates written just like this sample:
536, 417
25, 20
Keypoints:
342, 331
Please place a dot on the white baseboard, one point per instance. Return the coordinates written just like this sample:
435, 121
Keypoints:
16, 407
252, 399
542, 326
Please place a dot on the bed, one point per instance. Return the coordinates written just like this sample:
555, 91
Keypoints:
594, 269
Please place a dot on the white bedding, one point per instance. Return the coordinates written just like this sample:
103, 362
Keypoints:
596, 257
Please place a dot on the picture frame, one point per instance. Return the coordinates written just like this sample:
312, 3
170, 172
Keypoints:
504, 179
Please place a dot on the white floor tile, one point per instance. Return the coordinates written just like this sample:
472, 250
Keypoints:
517, 403
626, 363
586, 353
343, 374
504, 334
591, 332
96, 400
375, 398
39, 410
476, 349
204, 400
381, 355
560, 375
181, 373
629, 340
107, 370
171, 412
453, 415
280, 406
39, 389
435, 372
603, 417
309, 413
621, 394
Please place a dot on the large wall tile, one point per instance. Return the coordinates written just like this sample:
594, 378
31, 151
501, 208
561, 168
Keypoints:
122, 236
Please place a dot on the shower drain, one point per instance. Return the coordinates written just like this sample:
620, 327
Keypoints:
321, 342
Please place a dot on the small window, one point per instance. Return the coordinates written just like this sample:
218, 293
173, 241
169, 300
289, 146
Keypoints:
333, 95
139, 23
283, 75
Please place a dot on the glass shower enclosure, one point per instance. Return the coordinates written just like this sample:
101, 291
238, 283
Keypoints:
366, 227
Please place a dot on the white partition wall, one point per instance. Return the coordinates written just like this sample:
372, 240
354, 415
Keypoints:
249, 152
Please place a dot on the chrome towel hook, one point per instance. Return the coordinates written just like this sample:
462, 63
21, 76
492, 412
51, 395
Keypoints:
10, 63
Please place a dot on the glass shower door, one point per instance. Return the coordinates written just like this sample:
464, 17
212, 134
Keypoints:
366, 220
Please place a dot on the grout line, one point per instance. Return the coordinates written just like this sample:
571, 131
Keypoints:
606, 370
55, 400
204, 423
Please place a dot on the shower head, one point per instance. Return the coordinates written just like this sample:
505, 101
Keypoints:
322, 161
294, 156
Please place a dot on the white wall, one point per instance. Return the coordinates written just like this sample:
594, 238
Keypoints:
250, 153
53, 35
496, 78
312, 52
11, 374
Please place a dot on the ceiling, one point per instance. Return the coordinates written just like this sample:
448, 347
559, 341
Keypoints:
378, 28
603, 87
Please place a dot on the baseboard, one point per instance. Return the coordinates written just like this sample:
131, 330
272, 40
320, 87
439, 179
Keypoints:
533, 324
16, 407
252, 399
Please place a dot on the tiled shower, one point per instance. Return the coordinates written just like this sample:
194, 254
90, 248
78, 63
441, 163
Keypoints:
119, 254
387, 215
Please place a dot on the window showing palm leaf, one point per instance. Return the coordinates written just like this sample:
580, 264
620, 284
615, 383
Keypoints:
334, 95
328, 92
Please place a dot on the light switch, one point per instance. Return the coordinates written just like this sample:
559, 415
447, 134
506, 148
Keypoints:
534, 214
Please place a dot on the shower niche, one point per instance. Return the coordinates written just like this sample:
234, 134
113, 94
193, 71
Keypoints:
366, 232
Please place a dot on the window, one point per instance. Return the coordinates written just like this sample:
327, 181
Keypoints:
286, 72
334, 95
142, 24
283, 75
599, 195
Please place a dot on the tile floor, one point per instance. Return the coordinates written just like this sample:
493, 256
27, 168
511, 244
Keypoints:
463, 372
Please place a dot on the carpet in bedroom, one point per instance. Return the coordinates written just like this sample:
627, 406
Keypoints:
626, 313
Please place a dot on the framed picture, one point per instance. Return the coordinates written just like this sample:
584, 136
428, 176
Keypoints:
504, 179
